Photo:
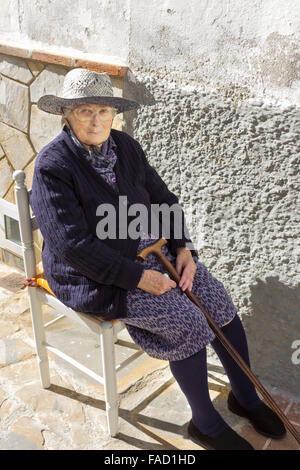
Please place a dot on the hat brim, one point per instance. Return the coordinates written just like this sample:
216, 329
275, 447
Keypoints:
52, 104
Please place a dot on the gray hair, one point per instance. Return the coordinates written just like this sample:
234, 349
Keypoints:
65, 114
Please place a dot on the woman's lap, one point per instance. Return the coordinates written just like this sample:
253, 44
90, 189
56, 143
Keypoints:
171, 326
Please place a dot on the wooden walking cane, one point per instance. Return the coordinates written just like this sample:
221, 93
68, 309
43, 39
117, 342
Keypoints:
156, 249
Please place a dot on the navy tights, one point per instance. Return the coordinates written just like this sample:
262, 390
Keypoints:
191, 375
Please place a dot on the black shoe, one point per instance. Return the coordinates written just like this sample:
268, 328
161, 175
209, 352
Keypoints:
227, 440
262, 418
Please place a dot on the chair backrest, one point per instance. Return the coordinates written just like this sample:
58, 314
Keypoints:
27, 223
9, 228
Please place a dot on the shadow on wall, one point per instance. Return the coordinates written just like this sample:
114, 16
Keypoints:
136, 91
271, 330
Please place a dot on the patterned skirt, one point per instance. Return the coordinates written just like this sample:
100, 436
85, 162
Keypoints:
170, 326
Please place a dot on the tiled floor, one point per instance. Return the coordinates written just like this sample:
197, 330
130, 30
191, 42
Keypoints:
292, 410
153, 412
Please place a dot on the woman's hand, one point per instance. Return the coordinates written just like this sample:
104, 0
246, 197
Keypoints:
155, 282
186, 268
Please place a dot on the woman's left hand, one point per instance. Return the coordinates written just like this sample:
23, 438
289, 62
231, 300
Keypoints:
186, 268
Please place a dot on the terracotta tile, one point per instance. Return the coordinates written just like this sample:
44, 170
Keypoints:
67, 61
256, 440
111, 69
287, 443
15, 51
294, 413
280, 400
52, 58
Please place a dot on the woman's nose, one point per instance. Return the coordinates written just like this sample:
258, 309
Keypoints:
96, 119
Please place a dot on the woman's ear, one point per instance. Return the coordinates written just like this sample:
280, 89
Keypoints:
64, 122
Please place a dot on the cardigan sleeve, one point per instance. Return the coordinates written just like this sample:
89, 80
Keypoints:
159, 194
64, 228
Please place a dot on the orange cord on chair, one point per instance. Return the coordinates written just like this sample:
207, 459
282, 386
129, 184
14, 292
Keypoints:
39, 280
29, 282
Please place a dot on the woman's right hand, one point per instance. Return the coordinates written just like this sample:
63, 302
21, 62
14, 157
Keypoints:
155, 282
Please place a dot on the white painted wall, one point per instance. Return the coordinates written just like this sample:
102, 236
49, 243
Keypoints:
96, 27
217, 43
220, 42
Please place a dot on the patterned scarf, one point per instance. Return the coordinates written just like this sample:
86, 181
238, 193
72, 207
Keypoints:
102, 160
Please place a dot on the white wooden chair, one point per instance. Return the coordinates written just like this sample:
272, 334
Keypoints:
107, 330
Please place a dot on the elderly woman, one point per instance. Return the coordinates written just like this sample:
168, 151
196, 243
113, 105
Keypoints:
90, 164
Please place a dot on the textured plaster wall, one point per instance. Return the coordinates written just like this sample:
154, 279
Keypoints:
224, 134
235, 169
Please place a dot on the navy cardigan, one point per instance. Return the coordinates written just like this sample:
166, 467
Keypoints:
88, 274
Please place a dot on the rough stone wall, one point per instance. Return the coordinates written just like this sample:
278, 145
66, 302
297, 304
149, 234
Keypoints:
23, 128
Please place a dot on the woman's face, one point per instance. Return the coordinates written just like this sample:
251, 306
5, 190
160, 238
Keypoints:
92, 123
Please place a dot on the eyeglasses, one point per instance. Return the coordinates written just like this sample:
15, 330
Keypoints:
87, 114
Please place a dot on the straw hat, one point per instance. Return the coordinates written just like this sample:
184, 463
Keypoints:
83, 86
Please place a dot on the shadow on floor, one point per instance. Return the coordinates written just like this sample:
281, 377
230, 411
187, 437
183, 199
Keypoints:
137, 418
271, 330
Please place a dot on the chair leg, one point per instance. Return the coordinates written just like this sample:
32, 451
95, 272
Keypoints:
117, 327
39, 338
115, 333
110, 376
